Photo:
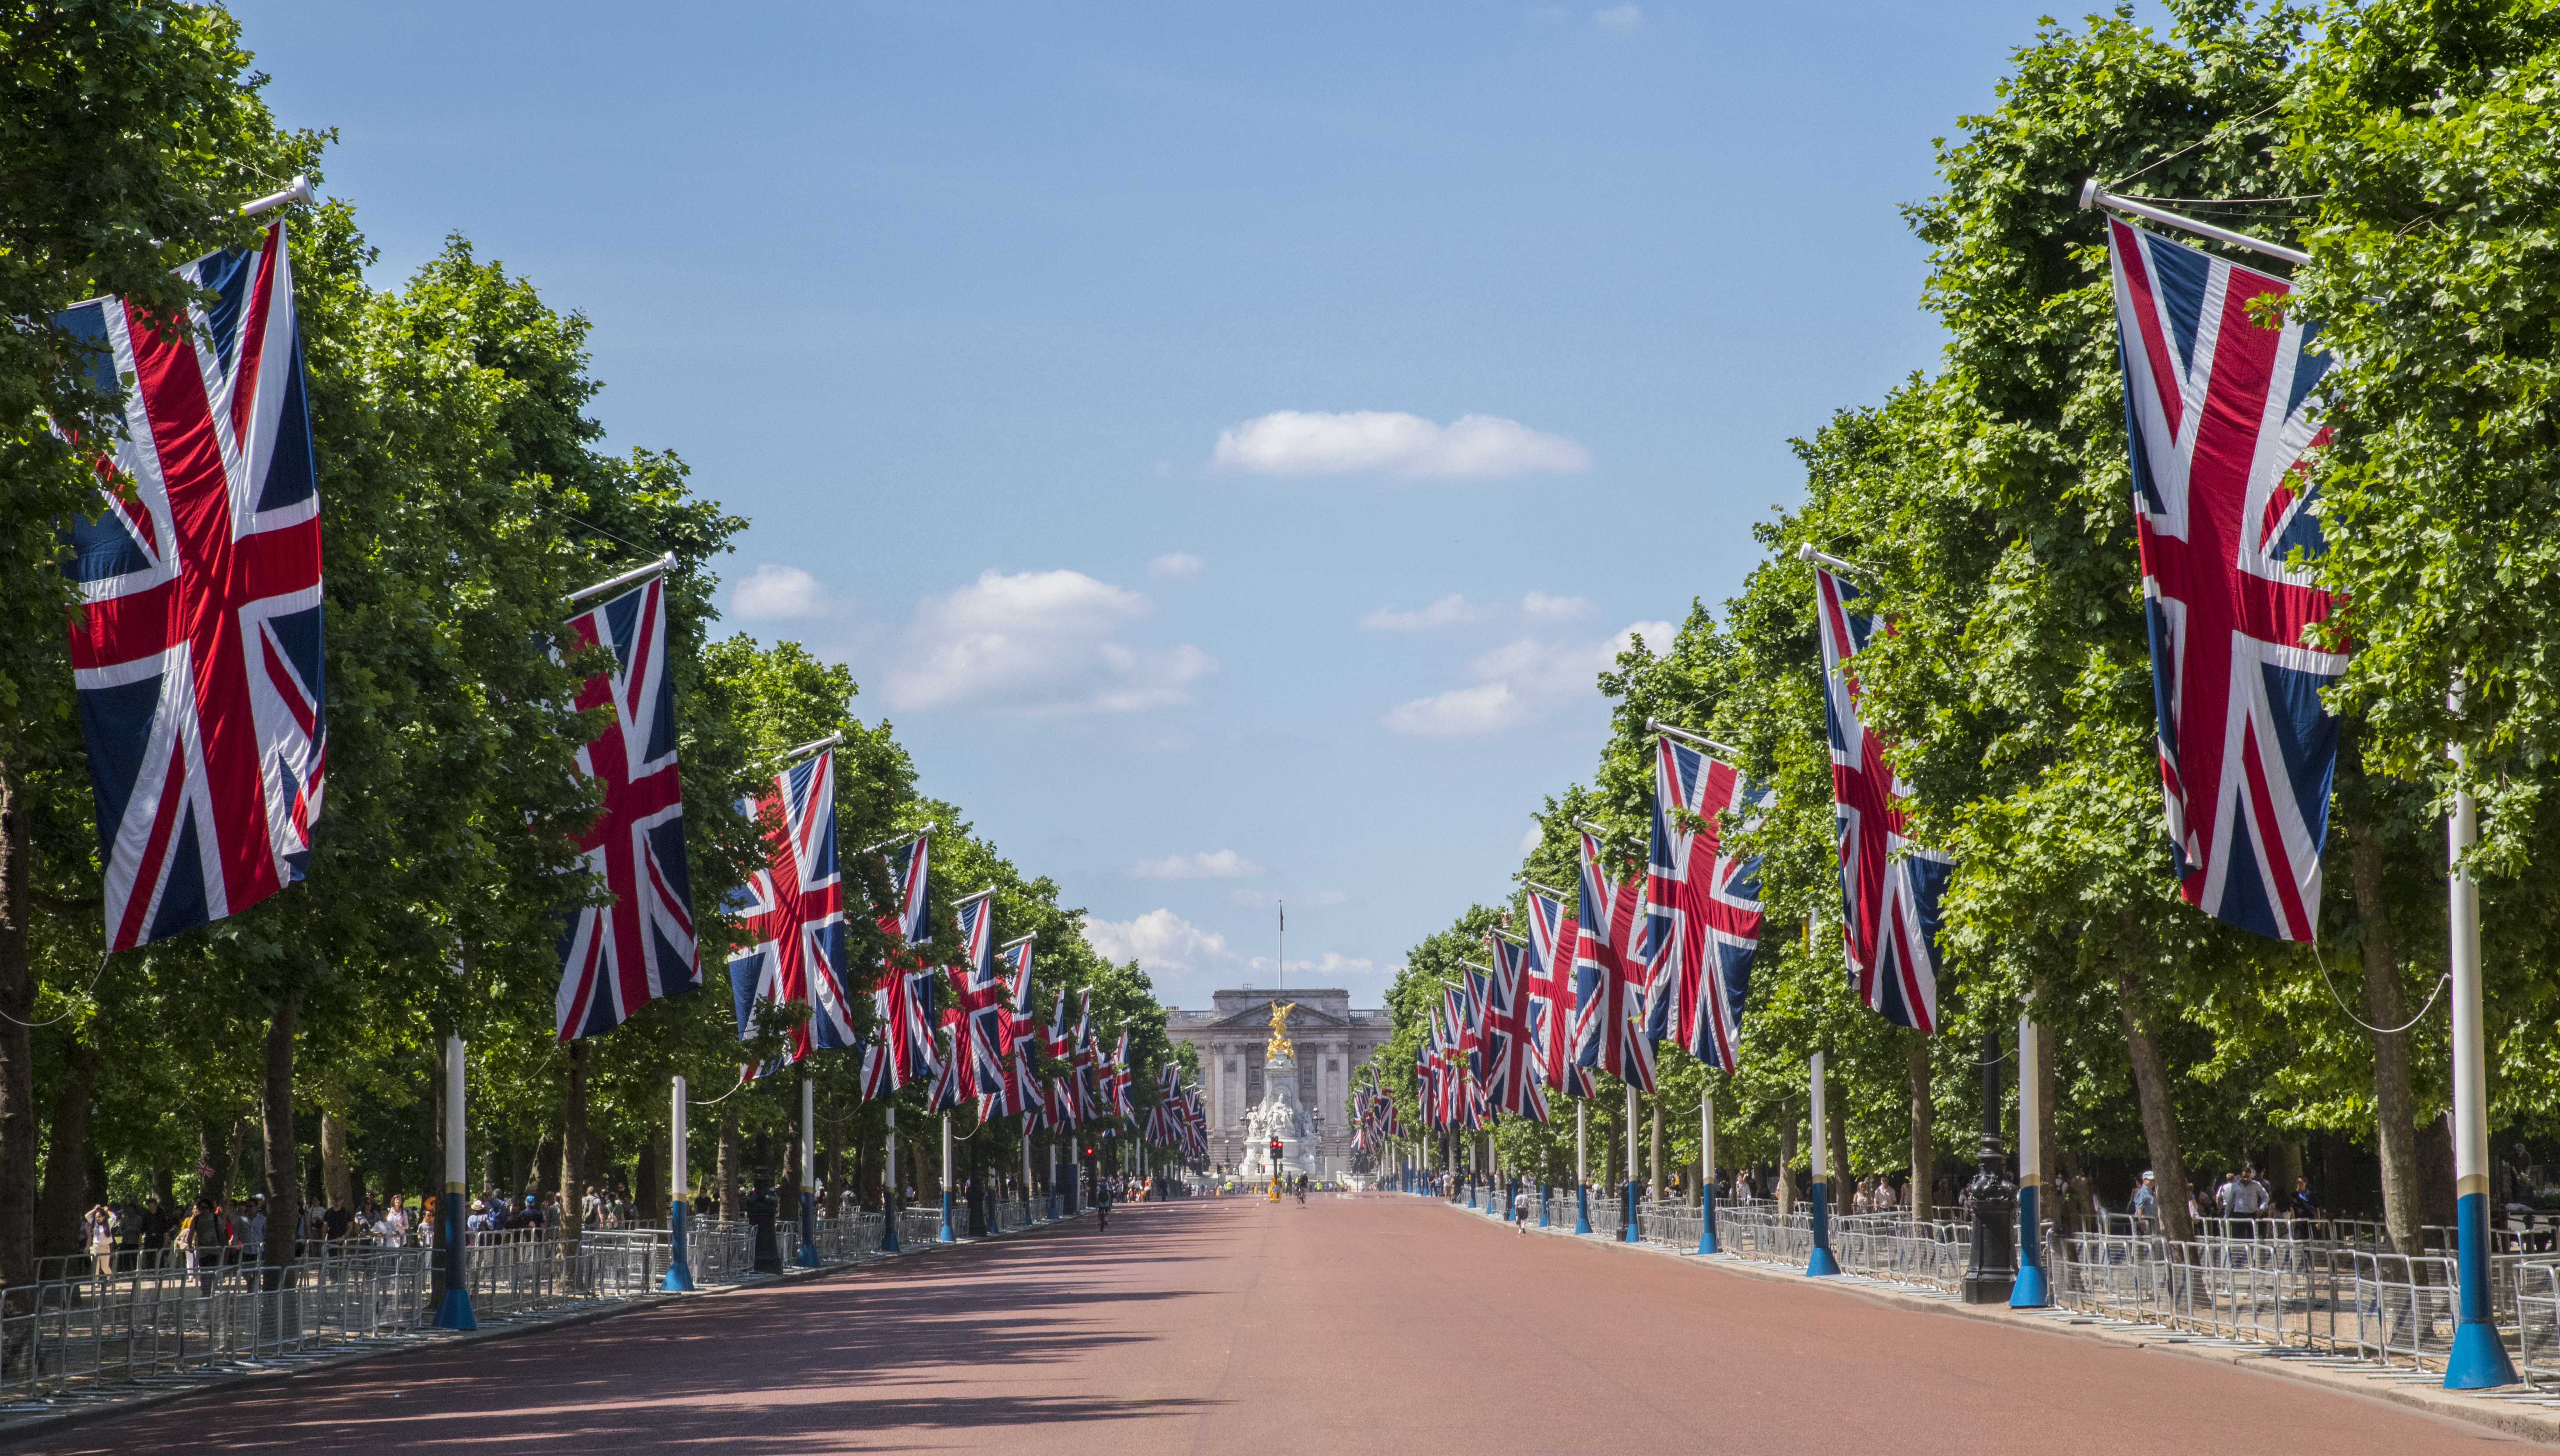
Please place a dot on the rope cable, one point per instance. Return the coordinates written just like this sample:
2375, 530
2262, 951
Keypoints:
2442, 981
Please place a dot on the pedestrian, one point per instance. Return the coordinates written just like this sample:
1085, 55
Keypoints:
1519, 1207
2145, 1203
248, 1236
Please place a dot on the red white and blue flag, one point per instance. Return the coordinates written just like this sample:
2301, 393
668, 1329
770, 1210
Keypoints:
1608, 981
950, 1089
2220, 410
903, 1047
1511, 1069
196, 649
910, 868
1552, 935
1704, 904
795, 906
1889, 887
1017, 958
977, 1010
618, 956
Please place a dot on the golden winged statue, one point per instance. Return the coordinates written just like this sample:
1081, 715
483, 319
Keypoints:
1278, 1047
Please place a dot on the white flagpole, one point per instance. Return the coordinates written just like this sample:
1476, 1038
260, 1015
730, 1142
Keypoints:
2093, 196
663, 563
680, 1268
2478, 1359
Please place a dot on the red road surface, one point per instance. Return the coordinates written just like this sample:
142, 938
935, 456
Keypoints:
1385, 1324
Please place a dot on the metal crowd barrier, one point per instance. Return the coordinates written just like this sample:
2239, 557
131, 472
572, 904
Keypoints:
140, 1319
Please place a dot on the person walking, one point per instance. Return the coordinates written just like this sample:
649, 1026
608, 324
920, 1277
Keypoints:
1520, 1208
1101, 1204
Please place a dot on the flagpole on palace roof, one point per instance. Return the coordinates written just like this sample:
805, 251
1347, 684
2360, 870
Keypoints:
663, 563
2092, 195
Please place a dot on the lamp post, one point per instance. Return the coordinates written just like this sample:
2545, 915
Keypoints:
1993, 1272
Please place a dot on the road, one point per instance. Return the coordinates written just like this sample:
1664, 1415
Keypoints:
1346, 1325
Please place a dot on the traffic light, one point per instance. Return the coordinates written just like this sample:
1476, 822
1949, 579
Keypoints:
1088, 1152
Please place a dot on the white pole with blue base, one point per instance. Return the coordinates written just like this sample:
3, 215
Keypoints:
456, 1311
1581, 1171
945, 1235
808, 1174
1707, 1166
888, 1187
2478, 1359
1627, 1233
2032, 1290
1822, 1264
680, 1264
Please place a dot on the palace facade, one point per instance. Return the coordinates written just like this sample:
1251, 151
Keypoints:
1331, 1040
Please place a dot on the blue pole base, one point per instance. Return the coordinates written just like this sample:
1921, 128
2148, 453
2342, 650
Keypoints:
2031, 1290
889, 1229
1581, 1208
808, 1232
1544, 1192
1822, 1265
456, 1311
1471, 1193
1633, 1232
2478, 1359
945, 1235
1706, 1222
680, 1268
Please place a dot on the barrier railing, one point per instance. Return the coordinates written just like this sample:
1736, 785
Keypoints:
141, 1318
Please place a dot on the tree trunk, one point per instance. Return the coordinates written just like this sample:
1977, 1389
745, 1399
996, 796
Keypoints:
430, 1179
1837, 1115
275, 1107
2049, 1154
1924, 1145
335, 1187
730, 1201
2283, 1165
2159, 1115
1786, 1155
2394, 1106
1653, 1159
17, 1052
572, 1223
58, 1207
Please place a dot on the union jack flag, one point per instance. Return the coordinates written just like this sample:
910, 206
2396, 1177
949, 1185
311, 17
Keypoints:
911, 870
1889, 886
196, 649
1703, 903
1608, 982
796, 908
950, 1088
1552, 934
1118, 1074
977, 1011
902, 1050
2220, 412
618, 956
1511, 1078
1016, 956
1058, 1044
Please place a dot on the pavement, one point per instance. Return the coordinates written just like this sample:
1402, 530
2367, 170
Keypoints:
1342, 1325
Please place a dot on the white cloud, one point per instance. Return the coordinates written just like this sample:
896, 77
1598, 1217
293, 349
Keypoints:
1619, 17
1539, 604
1158, 940
776, 594
1451, 608
1176, 566
1533, 836
1519, 680
1325, 964
1318, 442
1460, 710
1222, 864
1038, 642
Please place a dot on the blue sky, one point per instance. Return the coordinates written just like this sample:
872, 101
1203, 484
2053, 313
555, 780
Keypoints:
1224, 440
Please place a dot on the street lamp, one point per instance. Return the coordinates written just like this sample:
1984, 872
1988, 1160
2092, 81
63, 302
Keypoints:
1995, 1264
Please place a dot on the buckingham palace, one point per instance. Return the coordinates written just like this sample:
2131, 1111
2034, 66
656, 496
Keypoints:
1332, 1039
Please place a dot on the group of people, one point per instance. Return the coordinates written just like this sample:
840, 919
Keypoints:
2239, 1195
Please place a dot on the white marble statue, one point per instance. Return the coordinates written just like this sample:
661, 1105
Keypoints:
1280, 1116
